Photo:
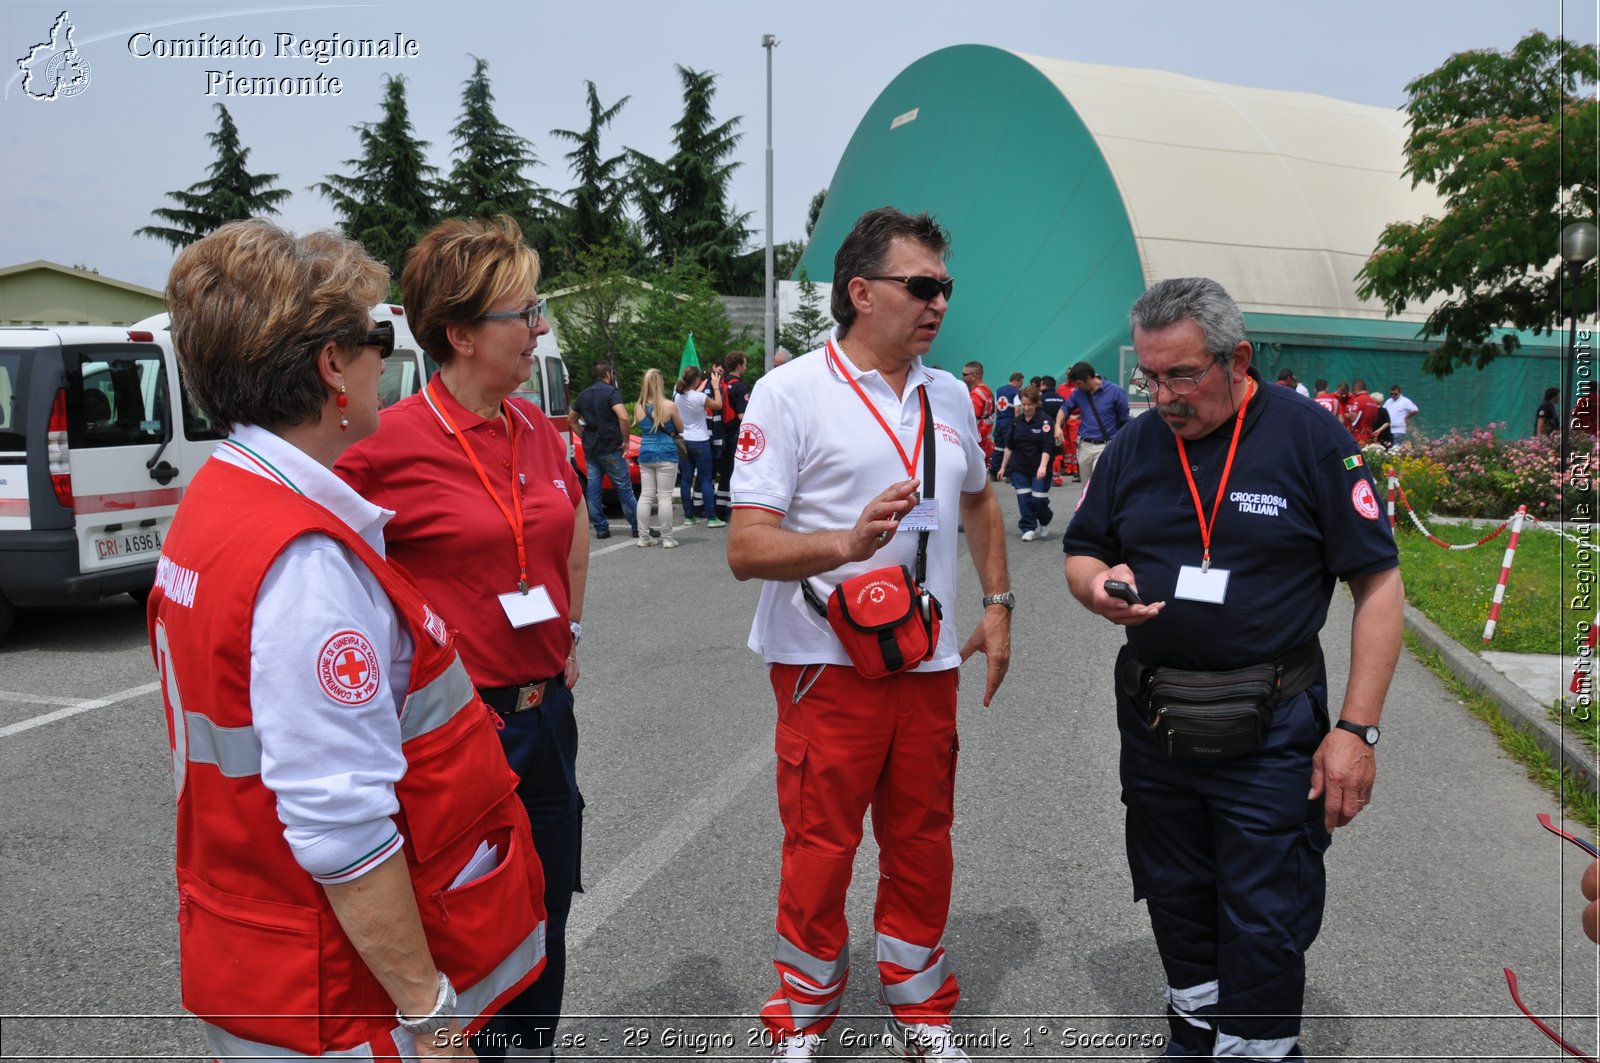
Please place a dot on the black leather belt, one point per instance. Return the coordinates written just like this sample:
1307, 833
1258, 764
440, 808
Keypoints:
508, 701
1097, 442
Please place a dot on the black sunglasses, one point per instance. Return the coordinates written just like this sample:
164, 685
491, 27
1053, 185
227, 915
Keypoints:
381, 336
529, 315
924, 288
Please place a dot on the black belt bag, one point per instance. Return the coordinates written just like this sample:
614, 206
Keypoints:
1217, 715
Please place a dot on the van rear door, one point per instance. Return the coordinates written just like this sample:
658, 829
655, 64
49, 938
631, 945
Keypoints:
13, 443
118, 416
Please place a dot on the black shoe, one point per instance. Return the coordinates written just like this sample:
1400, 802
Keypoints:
633, 533
606, 534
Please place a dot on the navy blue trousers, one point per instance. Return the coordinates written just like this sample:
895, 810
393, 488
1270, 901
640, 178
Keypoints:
542, 747
1228, 858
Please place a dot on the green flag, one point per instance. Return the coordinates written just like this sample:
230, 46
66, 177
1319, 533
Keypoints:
689, 356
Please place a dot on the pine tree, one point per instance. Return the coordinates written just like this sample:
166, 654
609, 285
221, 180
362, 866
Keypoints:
808, 325
595, 215
489, 175
386, 198
231, 193
683, 202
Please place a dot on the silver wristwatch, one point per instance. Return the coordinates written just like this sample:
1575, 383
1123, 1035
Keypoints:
443, 1013
1005, 598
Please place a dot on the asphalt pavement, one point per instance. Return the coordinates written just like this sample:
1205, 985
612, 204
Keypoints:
1445, 879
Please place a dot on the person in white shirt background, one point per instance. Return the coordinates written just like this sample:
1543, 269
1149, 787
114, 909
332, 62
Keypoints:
1399, 408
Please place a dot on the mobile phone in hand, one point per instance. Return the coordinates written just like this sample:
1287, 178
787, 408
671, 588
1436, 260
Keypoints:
1118, 589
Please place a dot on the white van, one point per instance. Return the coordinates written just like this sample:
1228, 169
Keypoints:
94, 455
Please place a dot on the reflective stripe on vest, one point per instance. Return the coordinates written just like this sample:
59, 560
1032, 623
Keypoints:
236, 751
919, 987
822, 972
470, 1004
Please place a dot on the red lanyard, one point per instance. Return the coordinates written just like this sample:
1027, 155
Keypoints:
837, 362
1194, 492
514, 516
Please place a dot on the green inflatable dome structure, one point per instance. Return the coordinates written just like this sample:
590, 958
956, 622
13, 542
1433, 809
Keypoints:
1068, 188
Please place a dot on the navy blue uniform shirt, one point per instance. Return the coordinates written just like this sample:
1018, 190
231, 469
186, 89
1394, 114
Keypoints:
1030, 440
1298, 513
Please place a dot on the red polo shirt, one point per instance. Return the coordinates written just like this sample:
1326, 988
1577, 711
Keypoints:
454, 540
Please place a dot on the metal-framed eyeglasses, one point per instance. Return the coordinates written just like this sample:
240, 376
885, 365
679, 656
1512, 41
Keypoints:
923, 287
1179, 385
528, 315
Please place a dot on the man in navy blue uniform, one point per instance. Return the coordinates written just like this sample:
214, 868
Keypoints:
1005, 402
1231, 511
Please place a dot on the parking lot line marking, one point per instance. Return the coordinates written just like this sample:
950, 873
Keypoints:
76, 708
615, 890
37, 699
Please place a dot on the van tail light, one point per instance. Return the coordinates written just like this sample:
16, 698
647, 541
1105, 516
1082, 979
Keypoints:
141, 336
56, 447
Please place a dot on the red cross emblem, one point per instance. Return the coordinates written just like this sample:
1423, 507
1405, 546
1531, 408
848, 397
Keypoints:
751, 442
347, 668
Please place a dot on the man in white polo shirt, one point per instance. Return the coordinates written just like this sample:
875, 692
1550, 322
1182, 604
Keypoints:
827, 485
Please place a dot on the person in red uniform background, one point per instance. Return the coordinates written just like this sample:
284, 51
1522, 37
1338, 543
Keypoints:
983, 407
490, 519
349, 852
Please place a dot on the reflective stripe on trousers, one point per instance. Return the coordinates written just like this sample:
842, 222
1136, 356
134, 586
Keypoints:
471, 1003
236, 751
930, 963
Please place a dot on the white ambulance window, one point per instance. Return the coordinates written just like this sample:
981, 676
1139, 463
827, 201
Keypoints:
556, 370
11, 436
196, 425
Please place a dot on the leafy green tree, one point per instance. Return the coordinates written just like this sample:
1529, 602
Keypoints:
231, 193
594, 309
809, 324
679, 300
814, 211
596, 209
489, 175
386, 198
683, 202
1512, 148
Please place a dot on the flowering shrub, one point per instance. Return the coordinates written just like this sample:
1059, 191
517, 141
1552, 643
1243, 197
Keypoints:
1485, 475
1422, 478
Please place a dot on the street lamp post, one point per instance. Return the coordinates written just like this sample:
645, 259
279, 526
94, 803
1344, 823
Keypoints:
769, 42
1578, 244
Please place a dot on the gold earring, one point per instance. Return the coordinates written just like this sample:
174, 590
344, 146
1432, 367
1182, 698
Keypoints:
342, 400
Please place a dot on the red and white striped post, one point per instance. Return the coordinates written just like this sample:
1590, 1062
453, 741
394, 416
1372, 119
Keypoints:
1394, 482
1505, 573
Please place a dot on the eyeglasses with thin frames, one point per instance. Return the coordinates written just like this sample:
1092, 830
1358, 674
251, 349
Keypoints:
1511, 977
923, 287
529, 315
1142, 382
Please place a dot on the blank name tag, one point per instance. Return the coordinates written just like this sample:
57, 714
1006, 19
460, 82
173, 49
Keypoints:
924, 516
1197, 585
532, 608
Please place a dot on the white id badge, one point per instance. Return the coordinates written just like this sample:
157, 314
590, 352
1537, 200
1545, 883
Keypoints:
535, 607
924, 516
1200, 585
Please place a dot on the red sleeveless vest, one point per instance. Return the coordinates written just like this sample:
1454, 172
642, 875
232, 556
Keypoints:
264, 960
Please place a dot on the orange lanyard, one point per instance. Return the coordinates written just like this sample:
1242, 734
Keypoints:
837, 362
514, 515
1222, 488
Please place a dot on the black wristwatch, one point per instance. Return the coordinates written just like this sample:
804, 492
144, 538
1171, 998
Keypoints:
1365, 731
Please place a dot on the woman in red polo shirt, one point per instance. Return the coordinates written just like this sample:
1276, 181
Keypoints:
486, 508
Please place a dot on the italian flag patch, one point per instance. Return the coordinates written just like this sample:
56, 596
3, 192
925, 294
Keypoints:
1354, 462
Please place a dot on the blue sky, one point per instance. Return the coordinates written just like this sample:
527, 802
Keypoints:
82, 173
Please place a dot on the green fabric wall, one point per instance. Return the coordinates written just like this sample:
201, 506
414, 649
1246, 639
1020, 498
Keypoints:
1040, 244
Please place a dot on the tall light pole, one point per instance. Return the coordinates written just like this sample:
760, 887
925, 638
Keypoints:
769, 42
1578, 244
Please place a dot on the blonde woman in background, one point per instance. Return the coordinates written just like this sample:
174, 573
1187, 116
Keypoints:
658, 423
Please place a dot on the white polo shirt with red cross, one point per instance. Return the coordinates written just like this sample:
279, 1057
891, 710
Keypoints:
810, 450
